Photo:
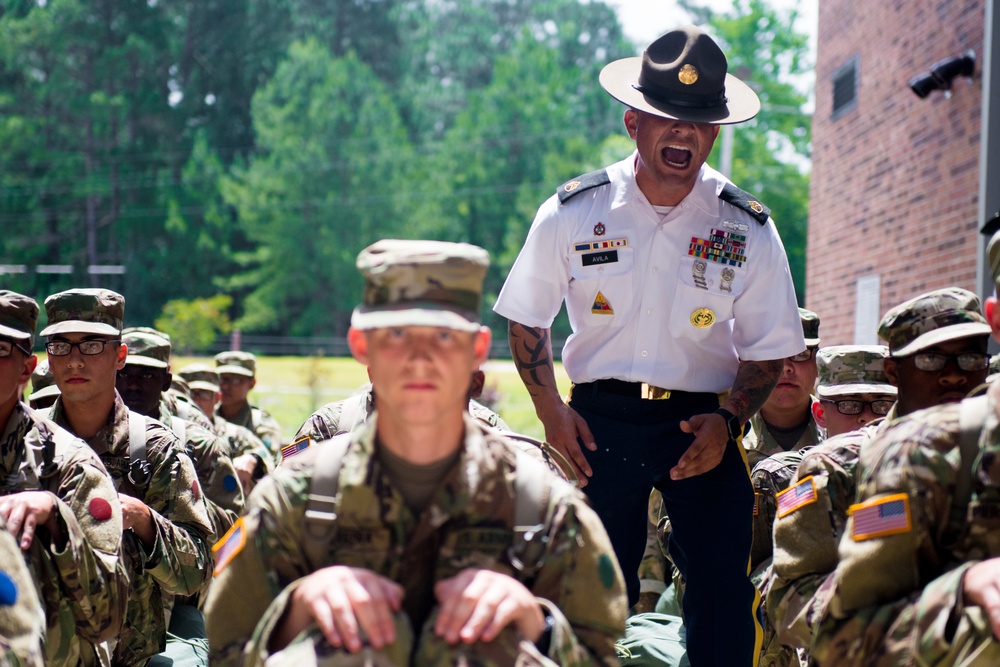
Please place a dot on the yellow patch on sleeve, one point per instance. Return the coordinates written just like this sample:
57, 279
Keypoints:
231, 544
881, 517
796, 497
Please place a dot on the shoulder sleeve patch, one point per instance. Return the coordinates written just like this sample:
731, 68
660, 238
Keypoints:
796, 497
744, 200
577, 185
880, 517
231, 544
300, 445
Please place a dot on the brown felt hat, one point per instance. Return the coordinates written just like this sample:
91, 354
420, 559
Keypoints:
682, 75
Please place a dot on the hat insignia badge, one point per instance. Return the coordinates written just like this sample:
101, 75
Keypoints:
572, 185
688, 74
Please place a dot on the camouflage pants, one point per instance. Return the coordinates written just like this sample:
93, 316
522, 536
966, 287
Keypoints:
311, 650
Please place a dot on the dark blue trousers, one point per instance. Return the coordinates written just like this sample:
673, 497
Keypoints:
638, 442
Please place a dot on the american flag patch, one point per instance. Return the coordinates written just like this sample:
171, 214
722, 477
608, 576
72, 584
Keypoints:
600, 245
877, 518
300, 445
795, 497
230, 545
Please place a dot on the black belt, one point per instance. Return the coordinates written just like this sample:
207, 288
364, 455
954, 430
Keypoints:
630, 389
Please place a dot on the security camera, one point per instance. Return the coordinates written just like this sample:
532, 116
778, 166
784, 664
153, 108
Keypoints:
942, 73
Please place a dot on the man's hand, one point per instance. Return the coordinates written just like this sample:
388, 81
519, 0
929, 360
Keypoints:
710, 439
136, 516
981, 588
563, 425
475, 605
24, 512
245, 466
342, 601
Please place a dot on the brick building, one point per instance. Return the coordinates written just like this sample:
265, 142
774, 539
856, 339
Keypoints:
895, 180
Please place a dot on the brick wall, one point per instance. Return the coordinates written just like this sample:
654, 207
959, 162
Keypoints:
895, 179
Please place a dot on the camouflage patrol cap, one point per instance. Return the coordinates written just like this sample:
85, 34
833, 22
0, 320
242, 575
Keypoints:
932, 318
43, 384
146, 347
18, 315
852, 369
810, 326
421, 283
236, 363
200, 377
98, 311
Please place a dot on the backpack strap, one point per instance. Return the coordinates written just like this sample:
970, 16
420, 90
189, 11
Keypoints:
971, 419
320, 524
139, 472
533, 513
256, 416
53, 436
179, 427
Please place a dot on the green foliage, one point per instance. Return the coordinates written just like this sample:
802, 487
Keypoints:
194, 324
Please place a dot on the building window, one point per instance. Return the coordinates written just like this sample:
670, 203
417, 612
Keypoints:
845, 88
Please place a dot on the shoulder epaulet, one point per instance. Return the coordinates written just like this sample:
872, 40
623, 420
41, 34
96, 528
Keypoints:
577, 185
744, 200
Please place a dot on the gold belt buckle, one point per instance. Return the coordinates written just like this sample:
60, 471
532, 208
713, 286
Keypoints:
653, 393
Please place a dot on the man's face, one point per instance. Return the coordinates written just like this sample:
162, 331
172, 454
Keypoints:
140, 388
206, 400
420, 373
83, 377
235, 388
671, 152
13, 371
835, 422
919, 389
794, 385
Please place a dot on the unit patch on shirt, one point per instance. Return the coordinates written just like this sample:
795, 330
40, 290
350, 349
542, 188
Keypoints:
601, 306
721, 246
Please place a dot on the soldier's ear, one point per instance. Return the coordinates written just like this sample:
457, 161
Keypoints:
818, 414
482, 344
891, 371
358, 343
993, 316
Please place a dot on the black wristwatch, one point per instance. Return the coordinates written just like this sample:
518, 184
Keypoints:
733, 424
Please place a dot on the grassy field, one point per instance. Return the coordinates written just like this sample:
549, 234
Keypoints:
291, 388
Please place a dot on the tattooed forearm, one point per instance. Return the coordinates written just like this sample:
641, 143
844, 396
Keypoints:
532, 352
754, 382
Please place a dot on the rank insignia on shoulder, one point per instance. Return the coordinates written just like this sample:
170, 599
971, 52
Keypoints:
745, 201
582, 183
297, 447
880, 517
756, 503
231, 544
796, 497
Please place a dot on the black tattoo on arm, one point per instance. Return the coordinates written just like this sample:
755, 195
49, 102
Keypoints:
532, 351
753, 384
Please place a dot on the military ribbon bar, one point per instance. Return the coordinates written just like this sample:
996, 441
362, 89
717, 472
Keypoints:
796, 497
878, 518
600, 245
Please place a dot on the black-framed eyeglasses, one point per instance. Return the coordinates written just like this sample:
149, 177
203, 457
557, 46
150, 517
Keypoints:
967, 361
852, 406
808, 354
61, 348
7, 348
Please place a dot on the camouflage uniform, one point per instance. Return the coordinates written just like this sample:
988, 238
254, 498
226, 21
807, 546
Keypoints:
81, 581
22, 620
179, 561
83, 586
469, 523
896, 598
263, 425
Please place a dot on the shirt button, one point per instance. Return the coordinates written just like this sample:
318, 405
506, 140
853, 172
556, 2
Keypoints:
656, 269
645, 354
649, 311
